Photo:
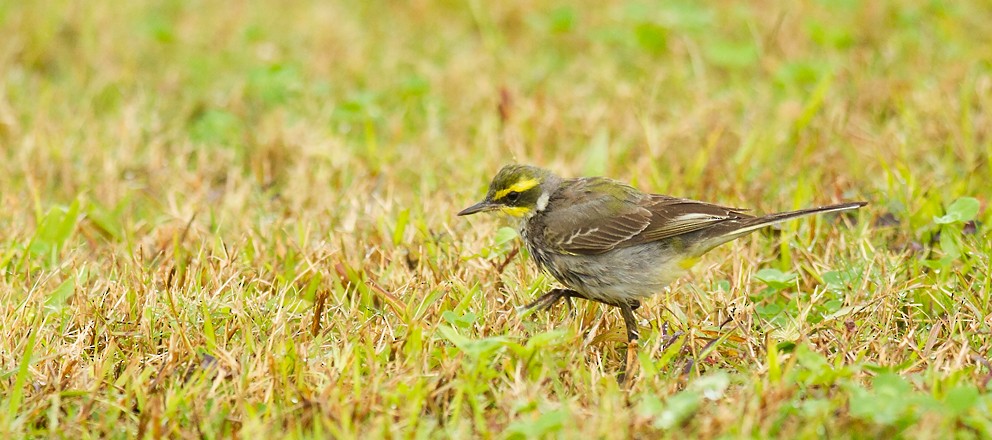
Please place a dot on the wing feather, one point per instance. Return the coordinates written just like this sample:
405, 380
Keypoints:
596, 215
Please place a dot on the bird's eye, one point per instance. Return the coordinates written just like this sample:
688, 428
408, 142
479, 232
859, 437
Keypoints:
512, 196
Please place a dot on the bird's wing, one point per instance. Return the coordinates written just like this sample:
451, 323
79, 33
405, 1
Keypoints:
671, 216
595, 215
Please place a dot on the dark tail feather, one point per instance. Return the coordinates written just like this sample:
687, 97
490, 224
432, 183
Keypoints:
739, 228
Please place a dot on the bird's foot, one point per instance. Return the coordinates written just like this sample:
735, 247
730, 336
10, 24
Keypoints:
630, 363
633, 334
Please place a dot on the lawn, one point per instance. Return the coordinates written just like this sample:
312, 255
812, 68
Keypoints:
237, 219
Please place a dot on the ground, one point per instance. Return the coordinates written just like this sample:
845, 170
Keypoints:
238, 218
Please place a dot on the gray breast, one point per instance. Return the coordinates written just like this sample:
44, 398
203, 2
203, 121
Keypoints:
547, 260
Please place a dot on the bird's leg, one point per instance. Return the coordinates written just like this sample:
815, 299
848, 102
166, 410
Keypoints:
626, 308
627, 311
551, 298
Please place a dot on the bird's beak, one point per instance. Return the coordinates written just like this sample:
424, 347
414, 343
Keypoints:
482, 206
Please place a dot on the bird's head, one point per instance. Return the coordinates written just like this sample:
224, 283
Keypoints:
518, 191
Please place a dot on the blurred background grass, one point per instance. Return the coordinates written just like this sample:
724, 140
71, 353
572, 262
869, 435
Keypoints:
169, 161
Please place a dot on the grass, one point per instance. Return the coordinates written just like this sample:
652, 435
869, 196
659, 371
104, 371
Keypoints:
237, 218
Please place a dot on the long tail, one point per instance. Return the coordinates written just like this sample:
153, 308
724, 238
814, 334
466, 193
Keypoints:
733, 229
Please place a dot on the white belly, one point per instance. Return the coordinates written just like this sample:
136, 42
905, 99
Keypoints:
631, 273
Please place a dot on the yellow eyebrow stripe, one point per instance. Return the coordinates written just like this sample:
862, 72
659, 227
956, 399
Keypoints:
520, 186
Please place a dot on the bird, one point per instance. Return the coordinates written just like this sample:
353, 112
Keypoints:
608, 242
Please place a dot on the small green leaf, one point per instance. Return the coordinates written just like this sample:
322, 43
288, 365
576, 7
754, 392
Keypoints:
841, 279
723, 285
960, 399
942, 263
966, 208
712, 386
801, 74
274, 84
217, 127
545, 339
466, 320
769, 311
651, 37
474, 348
785, 346
562, 20
961, 210
55, 228
949, 245
547, 423
810, 359
891, 384
449, 316
832, 306
886, 404
106, 221
414, 86
360, 106
57, 299
775, 278
731, 54
816, 407
310, 291
504, 235
454, 337
861, 403
678, 408
650, 405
